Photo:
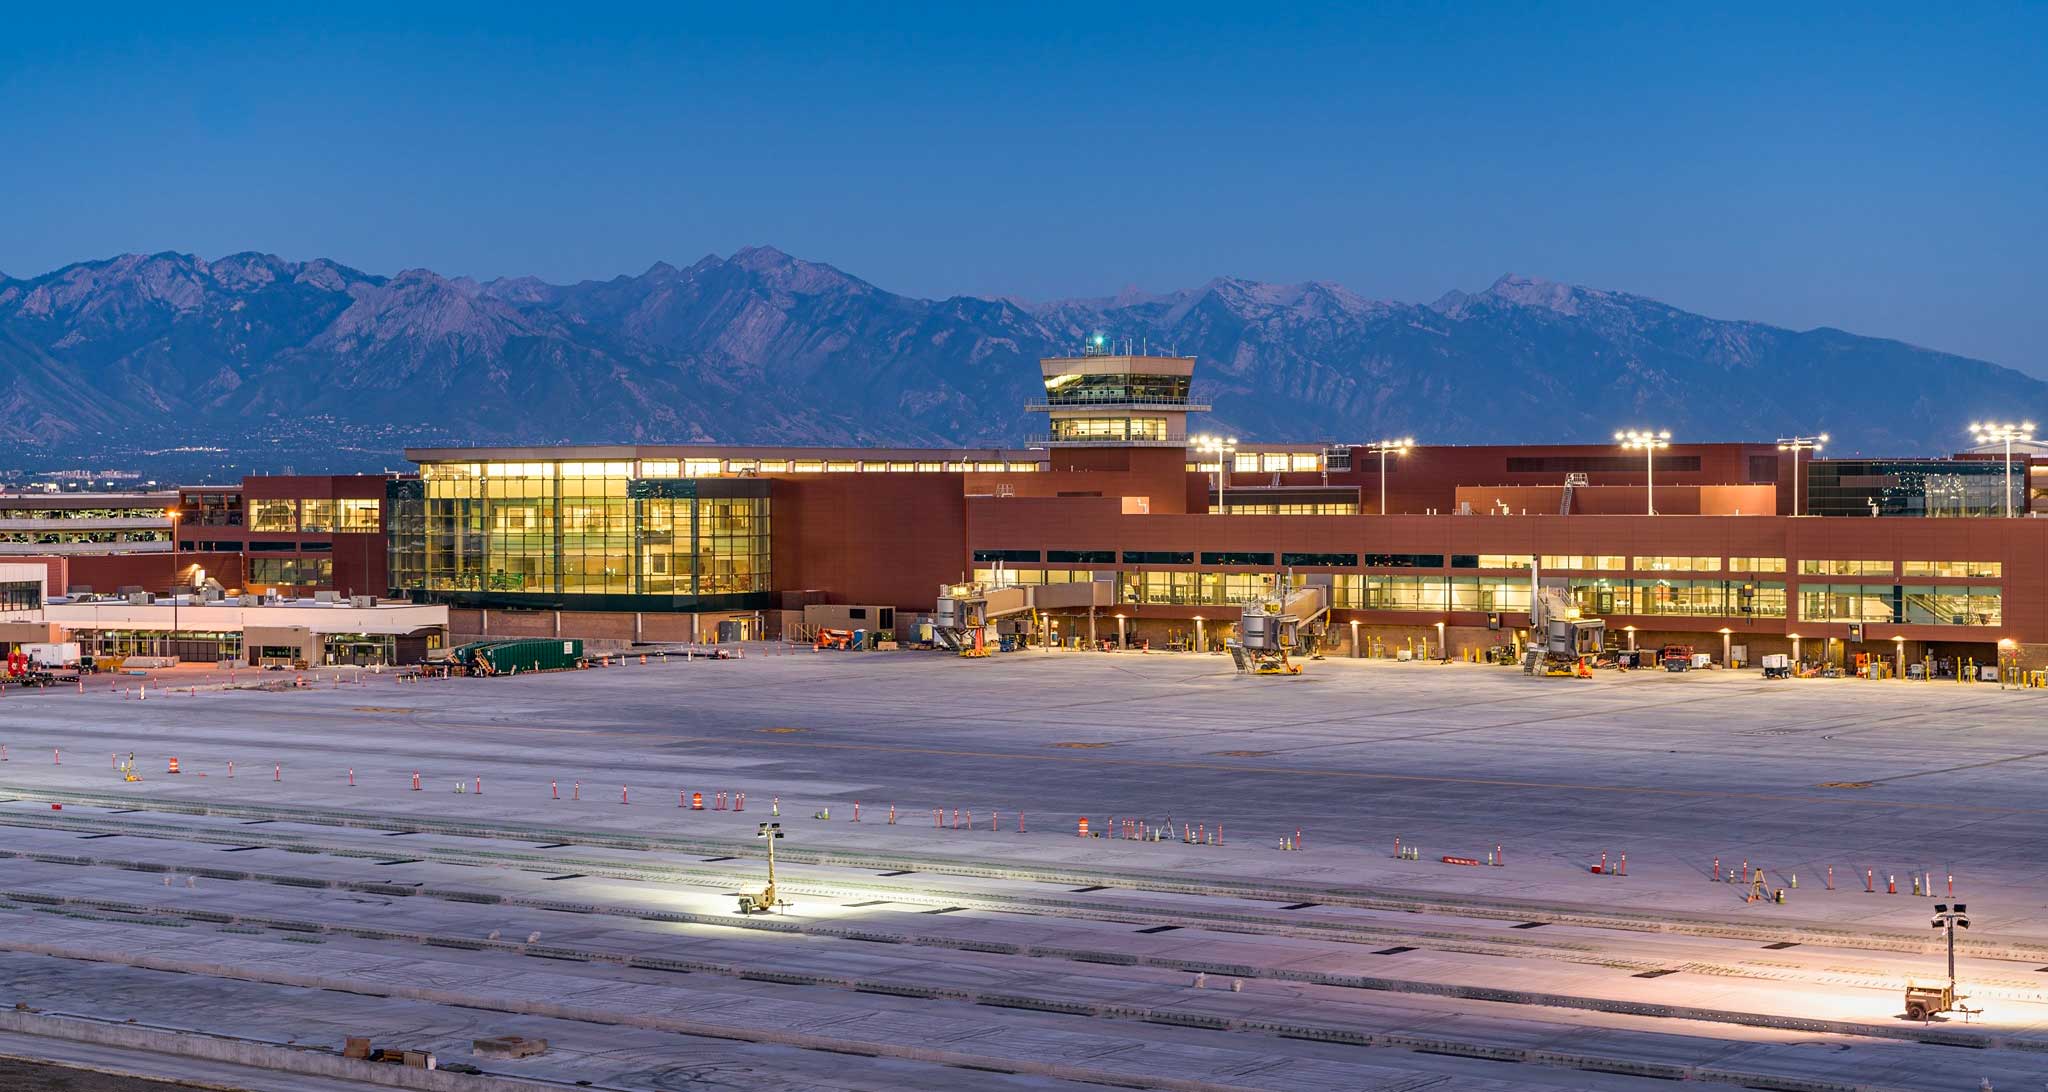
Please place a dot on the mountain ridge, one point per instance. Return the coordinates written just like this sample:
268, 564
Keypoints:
251, 349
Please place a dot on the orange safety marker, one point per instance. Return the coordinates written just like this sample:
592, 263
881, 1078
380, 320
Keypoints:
479, 784
576, 792
739, 802
231, 771
696, 801
622, 794
856, 812
1020, 822
1082, 831
415, 777
277, 773
351, 777
892, 815
56, 757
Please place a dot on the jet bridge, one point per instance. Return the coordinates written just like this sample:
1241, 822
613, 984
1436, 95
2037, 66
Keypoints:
1291, 620
1561, 642
967, 615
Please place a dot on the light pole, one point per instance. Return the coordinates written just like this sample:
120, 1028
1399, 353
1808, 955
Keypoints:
1795, 445
1223, 447
172, 515
1948, 917
2000, 432
1649, 443
1384, 448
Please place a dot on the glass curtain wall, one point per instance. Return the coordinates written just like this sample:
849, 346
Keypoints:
574, 529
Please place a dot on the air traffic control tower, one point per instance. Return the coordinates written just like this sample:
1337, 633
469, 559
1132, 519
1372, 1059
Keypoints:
1111, 397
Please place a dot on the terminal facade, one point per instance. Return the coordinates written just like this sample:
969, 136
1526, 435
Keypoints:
1900, 558
1426, 549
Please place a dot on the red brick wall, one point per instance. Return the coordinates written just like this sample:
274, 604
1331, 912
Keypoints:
1428, 477
1621, 500
108, 573
870, 538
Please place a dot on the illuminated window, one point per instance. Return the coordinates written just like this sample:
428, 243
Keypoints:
1970, 570
1490, 594
900, 468
1109, 428
1504, 561
1846, 603
660, 468
775, 466
808, 466
1584, 562
1756, 564
930, 468
295, 571
1023, 468
701, 468
1833, 567
1671, 564
358, 515
316, 514
273, 514
1330, 508
1305, 462
1243, 463
841, 466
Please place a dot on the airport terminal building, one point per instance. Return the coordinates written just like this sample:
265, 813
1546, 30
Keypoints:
1723, 546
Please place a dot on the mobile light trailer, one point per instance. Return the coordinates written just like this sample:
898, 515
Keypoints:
1923, 1002
765, 900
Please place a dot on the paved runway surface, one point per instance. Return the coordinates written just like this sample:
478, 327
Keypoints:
302, 908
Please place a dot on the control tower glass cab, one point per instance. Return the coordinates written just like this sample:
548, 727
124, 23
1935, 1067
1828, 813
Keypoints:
1111, 397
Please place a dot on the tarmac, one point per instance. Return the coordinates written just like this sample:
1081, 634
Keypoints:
285, 907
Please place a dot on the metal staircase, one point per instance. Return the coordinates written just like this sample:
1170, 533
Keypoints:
1571, 481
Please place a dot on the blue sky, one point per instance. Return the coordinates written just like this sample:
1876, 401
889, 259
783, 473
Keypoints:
1876, 168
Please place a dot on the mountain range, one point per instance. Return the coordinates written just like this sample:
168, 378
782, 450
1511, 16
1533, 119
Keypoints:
260, 361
